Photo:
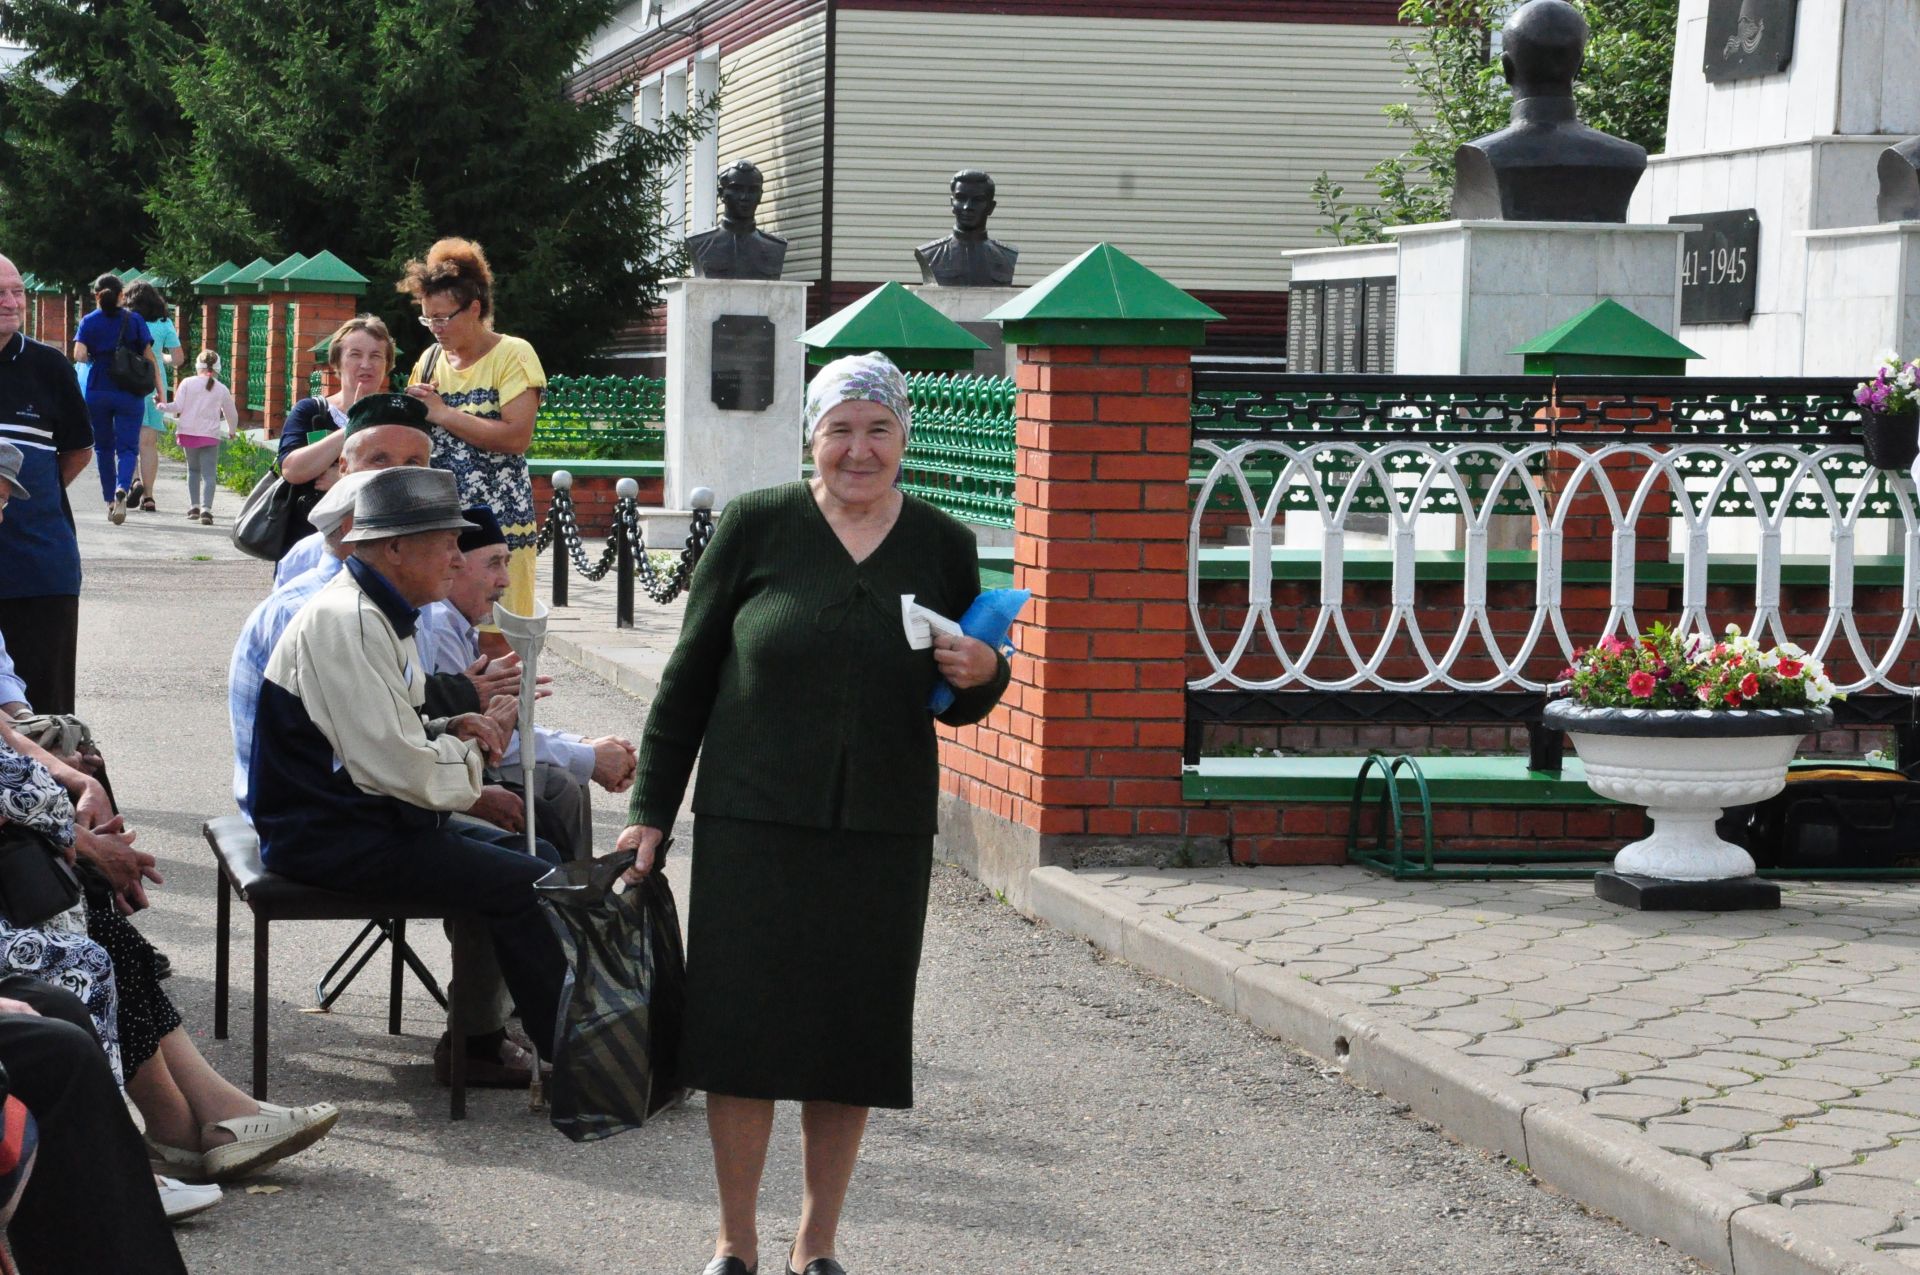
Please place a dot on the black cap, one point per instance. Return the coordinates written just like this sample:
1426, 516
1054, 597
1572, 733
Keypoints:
483, 530
386, 409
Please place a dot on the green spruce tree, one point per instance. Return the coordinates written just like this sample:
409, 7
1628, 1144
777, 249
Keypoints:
374, 130
88, 126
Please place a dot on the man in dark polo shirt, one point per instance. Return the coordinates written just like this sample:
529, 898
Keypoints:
41, 413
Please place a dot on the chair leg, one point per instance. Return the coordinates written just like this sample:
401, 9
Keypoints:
222, 932
457, 1036
260, 928
399, 937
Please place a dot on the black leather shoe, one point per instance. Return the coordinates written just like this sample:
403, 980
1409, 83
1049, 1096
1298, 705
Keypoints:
818, 1266
730, 1266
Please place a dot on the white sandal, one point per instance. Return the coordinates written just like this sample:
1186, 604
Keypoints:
182, 1201
259, 1140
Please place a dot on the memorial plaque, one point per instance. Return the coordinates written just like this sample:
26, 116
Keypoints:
1719, 267
743, 360
1307, 298
1382, 305
1746, 38
1345, 299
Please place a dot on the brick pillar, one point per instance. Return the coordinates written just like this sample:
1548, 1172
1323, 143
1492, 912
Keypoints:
1083, 756
209, 325
317, 316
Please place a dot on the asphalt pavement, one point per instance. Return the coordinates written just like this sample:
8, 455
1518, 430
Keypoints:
1072, 1113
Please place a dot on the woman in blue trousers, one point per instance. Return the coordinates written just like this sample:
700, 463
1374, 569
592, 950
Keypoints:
117, 411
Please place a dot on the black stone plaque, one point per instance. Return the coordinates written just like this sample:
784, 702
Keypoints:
1304, 308
1344, 301
743, 362
1746, 38
1719, 267
1382, 305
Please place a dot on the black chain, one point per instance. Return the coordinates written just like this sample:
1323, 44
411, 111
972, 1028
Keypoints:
662, 587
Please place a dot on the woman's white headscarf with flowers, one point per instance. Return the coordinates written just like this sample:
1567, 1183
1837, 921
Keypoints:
859, 378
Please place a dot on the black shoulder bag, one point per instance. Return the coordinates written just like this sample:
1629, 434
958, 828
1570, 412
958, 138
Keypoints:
35, 881
127, 368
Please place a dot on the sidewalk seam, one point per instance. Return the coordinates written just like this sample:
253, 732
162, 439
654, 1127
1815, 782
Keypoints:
1614, 1170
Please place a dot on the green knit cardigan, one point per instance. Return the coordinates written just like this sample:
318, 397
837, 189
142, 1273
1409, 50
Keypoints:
794, 675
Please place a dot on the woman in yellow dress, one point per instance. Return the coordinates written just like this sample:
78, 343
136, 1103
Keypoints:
482, 391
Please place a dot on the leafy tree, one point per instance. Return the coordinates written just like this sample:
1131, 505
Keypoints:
1453, 68
88, 124
372, 130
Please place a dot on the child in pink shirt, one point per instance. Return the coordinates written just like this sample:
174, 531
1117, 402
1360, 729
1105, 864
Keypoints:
205, 415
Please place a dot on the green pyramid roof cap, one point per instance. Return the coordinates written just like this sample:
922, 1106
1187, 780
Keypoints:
900, 325
29, 282
281, 268
324, 272
247, 278
1608, 329
137, 276
217, 276
1105, 297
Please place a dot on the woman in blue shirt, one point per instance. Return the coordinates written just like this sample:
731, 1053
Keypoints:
116, 411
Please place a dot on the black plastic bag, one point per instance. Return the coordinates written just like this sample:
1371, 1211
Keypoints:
616, 1048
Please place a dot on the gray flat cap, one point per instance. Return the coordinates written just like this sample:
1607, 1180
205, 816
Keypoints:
405, 501
11, 459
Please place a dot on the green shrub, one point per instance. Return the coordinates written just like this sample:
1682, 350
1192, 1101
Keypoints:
242, 462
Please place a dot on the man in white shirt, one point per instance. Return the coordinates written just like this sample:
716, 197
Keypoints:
565, 764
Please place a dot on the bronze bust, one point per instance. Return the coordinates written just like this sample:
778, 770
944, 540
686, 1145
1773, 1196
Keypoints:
967, 258
1900, 181
1546, 165
735, 249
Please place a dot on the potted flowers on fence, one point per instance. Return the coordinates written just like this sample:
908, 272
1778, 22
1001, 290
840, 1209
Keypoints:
1687, 726
1891, 434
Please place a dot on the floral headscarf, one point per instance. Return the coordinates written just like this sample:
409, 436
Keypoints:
862, 378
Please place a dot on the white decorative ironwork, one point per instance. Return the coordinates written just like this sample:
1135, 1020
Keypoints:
1697, 484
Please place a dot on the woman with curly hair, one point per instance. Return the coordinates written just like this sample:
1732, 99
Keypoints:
482, 390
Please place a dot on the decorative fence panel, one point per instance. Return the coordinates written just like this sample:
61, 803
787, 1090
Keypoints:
289, 368
223, 325
1615, 488
259, 320
610, 417
961, 456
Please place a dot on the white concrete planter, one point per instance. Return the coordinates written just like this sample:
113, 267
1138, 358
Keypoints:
1685, 768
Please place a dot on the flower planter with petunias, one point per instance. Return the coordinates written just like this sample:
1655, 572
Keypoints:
1891, 433
1686, 726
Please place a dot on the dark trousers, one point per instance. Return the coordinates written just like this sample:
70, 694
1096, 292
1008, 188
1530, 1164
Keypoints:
467, 869
90, 1204
117, 417
42, 636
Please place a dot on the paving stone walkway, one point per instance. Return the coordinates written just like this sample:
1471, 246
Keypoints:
1780, 1049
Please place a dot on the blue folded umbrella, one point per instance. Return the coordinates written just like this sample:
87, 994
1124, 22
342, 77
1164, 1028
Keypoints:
990, 618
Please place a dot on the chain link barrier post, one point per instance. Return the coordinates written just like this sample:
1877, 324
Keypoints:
630, 544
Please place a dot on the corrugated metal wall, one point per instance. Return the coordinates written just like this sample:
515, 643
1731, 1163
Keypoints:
1191, 145
773, 112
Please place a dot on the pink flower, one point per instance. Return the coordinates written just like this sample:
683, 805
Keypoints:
1641, 684
1791, 668
1705, 694
1611, 645
1750, 686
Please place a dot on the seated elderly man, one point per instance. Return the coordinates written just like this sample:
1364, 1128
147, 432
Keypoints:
383, 431
351, 789
564, 763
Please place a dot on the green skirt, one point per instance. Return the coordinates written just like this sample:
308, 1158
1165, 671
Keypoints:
803, 950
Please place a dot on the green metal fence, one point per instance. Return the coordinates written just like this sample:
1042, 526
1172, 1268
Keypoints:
257, 325
601, 418
223, 339
961, 456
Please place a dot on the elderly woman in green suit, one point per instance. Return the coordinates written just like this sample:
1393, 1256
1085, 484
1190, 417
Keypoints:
814, 813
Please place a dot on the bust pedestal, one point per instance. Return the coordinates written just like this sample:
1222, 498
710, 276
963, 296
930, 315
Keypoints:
1470, 291
747, 331
1863, 297
969, 307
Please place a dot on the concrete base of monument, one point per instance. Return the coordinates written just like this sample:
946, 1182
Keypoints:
1000, 853
1653, 894
969, 307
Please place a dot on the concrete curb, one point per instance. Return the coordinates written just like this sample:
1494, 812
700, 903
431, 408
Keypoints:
1602, 1163
634, 681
